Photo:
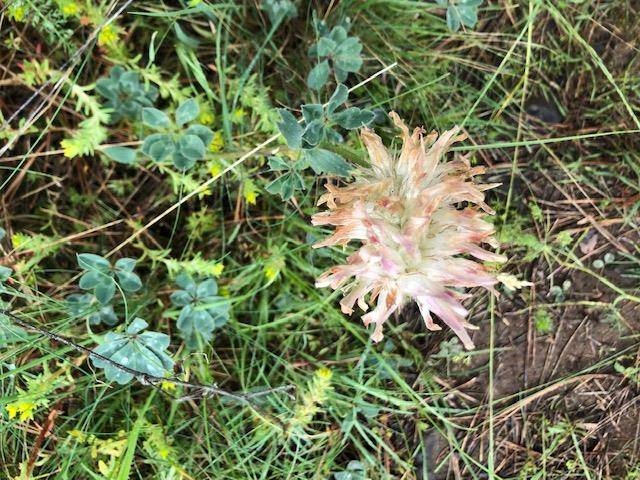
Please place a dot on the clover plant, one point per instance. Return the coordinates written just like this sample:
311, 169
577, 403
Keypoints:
101, 277
334, 49
316, 129
203, 310
141, 351
185, 147
126, 96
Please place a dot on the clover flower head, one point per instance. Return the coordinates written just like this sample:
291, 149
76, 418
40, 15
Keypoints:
419, 220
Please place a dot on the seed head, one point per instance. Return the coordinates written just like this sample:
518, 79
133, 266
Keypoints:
419, 221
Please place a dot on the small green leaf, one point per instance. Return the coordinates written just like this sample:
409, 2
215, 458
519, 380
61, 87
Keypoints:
468, 15
312, 134
205, 134
83, 305
324, 161
326, 47
278, 164
138, 350
181, 162
347, 56
207, 288
155, 118
92, 278
333, 136
353, 117
150, 141
5, 273
192, 147
161, 149
130, 282
341, 75
339, 96
181, 298
90, 261
123, 155
126, 264
195, 323
453, 18
104, 315
347, 64
286, 185
187, 112
312, 111
105, 290
182, 37
318, 76
136, 326
338, 34
202, 311
185, 282
290, 128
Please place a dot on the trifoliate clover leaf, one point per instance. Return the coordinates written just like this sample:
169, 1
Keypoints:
278, 10
286, 185
318, 119
335, 47
184, 147
101, 277
290, 181
141, 351
461, 12
125, 95
85, 305
202, 309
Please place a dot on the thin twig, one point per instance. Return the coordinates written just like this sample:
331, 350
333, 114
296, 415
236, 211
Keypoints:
146, 378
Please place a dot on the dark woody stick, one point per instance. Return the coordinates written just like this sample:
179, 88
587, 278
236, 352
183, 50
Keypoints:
147, 379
